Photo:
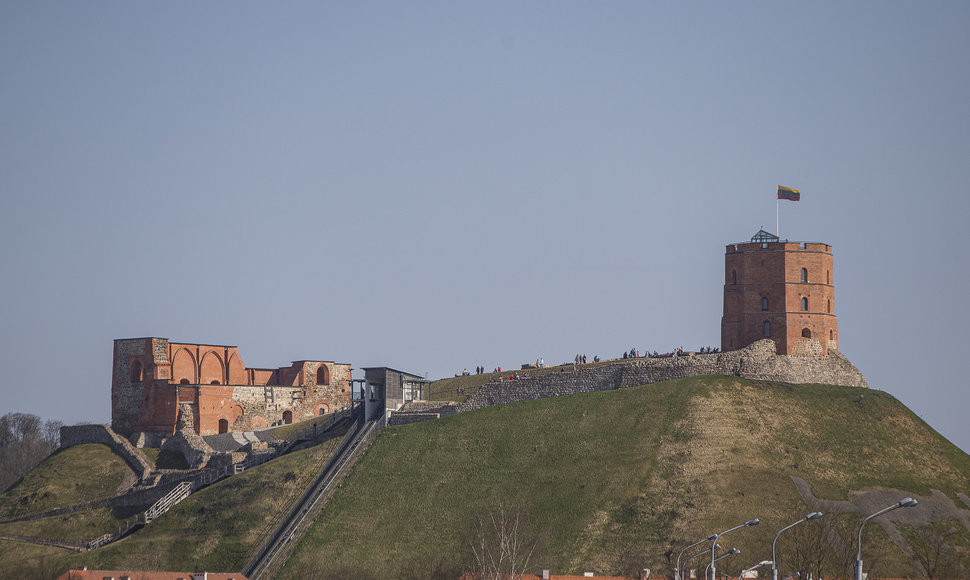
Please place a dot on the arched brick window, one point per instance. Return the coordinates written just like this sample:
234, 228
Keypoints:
137, 372
767, 329
734, 276
827, 277
829, 306
804, 303
804, 275
764, 304
214, 383
323, 375
806, 333
184, 382
287, 417
831, 334
223, 425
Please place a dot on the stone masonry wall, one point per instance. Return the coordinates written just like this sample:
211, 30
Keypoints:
758, 361
79, 434
187, 442
126, 403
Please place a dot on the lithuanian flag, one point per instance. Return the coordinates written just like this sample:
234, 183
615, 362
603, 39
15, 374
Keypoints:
788, 193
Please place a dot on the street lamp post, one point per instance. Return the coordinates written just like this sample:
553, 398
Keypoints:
755, 567
774, 560
905, 502
687, 559
677, 573
731, 552
753, 522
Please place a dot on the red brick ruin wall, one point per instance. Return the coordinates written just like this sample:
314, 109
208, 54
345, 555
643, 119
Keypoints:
151, 376
766, 283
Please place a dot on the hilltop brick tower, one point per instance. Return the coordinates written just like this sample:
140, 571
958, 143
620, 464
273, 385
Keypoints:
779, 290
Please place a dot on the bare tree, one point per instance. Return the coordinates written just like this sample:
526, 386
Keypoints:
819, 549
52, 433
933, 549
502, 542
24, 442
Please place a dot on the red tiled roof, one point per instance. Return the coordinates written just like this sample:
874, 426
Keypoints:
139, 575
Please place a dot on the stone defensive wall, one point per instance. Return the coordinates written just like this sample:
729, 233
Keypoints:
758, 361
80, 434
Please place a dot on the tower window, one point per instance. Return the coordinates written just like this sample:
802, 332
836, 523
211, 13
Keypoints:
827, 277
137, 373
767, 329
806, 333
804, 303
831, 335
829, 306
764, 304
804, 275
734, 276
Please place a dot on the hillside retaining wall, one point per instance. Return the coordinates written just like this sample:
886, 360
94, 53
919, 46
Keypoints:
80, 434
758, 361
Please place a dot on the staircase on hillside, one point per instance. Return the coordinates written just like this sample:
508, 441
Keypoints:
178, 493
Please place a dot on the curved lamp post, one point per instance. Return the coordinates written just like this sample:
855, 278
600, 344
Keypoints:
677, 573
774, 560
755, 567
753, 522
731, 552
905, 502
704, 551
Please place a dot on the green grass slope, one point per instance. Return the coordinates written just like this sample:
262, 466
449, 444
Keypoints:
214, 529
613, 481
67, 477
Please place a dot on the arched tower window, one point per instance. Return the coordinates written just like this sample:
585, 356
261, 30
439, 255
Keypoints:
831, 334
827, 277
767, 329
764, 304
804, 275
323, 375
137, 372
806, 333
734, 276
184, 382
828, 306
287, 417
223, 425
804, 303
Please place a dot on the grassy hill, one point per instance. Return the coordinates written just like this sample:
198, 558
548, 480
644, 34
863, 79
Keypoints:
67, 477
213, 529
609, 482
613, 481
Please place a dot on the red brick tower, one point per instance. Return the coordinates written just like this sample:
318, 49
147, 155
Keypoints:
779, 290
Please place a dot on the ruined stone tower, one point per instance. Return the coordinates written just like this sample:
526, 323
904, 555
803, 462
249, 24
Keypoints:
779, 290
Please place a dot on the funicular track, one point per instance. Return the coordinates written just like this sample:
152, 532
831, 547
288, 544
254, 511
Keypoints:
272, 554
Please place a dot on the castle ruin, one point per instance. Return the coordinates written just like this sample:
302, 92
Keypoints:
153, 378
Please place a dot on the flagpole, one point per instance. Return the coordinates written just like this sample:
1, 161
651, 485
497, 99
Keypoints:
777, 229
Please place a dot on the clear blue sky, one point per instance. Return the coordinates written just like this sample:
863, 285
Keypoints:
433, 186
